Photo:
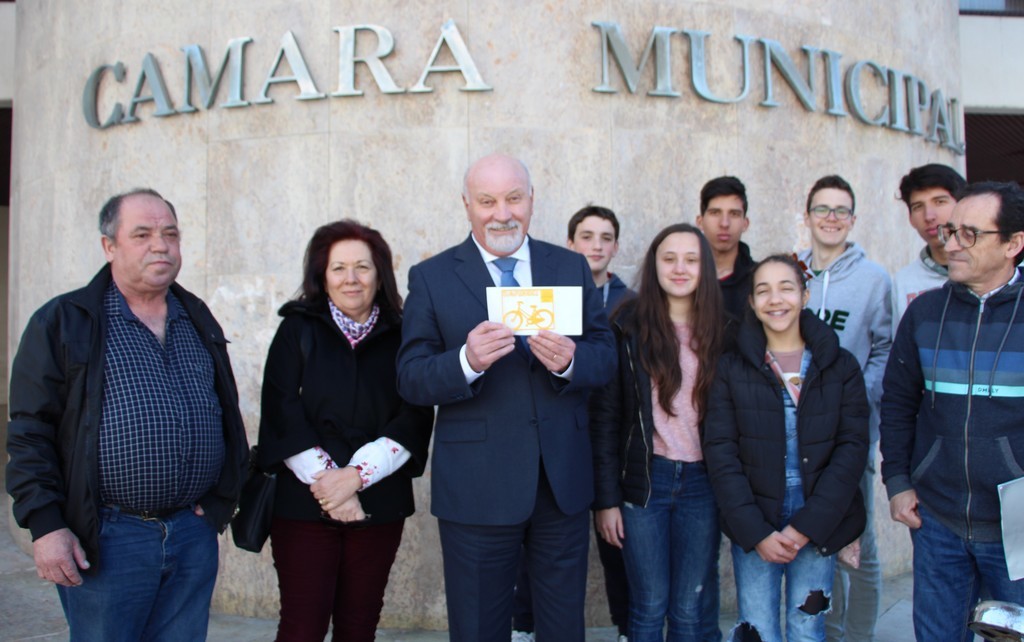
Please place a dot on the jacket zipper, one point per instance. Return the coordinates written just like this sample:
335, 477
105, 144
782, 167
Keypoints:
643, 431
967, 420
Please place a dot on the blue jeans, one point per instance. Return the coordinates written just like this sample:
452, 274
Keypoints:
759, 589
949, 573
671, 556
154, 580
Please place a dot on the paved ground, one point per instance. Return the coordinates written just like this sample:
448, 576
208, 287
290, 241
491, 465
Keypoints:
30, 610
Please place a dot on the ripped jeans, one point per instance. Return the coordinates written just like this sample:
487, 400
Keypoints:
759, 590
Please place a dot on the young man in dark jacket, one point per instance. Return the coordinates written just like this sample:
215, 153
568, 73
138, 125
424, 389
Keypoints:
951, 429
723, 219
127, 449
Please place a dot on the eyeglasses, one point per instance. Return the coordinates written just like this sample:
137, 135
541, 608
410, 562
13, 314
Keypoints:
822, 211
965, 236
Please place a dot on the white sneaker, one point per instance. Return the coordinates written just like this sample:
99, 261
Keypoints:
522, 636
623, 638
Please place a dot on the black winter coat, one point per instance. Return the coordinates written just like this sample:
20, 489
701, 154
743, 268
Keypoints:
319, 391
745, 441
55, 405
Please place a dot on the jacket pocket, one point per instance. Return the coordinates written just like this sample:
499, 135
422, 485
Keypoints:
455, 431
927, 461
1008, 457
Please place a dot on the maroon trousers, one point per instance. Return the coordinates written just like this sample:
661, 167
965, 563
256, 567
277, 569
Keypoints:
327, 572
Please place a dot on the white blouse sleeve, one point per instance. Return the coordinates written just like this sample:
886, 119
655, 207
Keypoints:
378, 459
308, 463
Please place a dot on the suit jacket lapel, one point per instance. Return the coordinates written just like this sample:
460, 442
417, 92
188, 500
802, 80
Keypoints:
470, 269
542, 268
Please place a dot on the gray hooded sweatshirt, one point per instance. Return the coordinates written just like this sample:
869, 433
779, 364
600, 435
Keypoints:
854, 297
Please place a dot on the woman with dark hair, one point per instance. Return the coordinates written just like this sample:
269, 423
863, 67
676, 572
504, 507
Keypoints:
344, 444
653, 499
786, 441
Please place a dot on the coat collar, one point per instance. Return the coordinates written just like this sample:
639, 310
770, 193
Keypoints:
822, 341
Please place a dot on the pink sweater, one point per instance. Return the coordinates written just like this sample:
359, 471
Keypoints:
677, 438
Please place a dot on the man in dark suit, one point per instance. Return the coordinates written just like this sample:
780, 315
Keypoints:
512, 466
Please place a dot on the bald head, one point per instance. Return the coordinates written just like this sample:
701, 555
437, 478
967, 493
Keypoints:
491, 161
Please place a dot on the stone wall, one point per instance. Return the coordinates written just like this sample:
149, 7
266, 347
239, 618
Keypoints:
251, 183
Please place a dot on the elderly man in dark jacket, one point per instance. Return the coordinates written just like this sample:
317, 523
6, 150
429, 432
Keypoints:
127, 449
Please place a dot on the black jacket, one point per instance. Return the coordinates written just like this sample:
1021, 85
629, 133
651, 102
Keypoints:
622, 423
55, 405
736, 286
327, 394
745, 441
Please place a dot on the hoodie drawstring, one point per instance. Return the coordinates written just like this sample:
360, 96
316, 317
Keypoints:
824, 293
992, 374
938, 338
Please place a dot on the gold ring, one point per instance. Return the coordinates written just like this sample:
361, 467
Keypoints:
323, 501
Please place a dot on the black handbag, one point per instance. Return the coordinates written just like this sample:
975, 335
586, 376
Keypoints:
250, 526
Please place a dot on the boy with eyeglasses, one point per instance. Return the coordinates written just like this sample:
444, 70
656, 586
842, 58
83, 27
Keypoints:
852, 295
930, 194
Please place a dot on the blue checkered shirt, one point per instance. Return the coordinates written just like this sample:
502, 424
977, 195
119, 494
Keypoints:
161, 436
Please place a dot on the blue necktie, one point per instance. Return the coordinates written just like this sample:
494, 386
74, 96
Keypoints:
507, 265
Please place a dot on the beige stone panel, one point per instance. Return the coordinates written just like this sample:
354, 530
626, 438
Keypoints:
544, 78
31, 266
266, 196
246, 582
172, 160
246, 306
174, 23
658, 177
40, 130
267, 23
78, 25
415, 595
368, 115
409, 189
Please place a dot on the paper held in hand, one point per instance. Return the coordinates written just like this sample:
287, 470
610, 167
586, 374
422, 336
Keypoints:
1011, 505
530, 310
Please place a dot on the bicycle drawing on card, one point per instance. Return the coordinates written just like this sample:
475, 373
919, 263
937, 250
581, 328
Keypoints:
536, 318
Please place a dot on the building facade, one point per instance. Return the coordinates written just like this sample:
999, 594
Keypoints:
263, 120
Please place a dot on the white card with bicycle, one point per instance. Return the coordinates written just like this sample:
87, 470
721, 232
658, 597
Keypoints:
530, 310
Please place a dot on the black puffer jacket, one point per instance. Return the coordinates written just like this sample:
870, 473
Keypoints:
622, 423
745, 441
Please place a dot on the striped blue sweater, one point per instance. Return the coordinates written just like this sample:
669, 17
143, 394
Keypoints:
953, 405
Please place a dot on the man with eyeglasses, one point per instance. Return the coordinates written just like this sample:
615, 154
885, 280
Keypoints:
951, 428
930, 194
853, 295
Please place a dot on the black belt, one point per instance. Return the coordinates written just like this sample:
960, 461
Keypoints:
161, 513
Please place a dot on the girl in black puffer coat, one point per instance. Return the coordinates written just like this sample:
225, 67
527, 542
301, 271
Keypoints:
786, 442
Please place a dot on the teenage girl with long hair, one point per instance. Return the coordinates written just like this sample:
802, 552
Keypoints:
653, 496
